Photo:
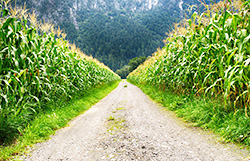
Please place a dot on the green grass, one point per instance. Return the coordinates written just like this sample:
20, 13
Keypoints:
206, 113
46, 123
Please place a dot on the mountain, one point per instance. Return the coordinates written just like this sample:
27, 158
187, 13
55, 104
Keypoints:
113, 31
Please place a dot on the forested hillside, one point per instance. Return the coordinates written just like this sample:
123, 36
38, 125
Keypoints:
112, 31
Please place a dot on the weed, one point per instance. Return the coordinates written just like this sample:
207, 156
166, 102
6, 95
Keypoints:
119, 108
115, 124
111, 118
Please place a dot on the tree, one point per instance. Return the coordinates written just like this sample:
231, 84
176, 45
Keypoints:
123, 72
132, 65
135, 62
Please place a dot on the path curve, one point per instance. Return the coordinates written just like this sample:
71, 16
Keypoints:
127, 125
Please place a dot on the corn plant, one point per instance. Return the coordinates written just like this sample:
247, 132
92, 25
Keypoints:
208, 55
36, 69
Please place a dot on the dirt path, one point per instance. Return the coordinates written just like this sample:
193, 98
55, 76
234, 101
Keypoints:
127, 125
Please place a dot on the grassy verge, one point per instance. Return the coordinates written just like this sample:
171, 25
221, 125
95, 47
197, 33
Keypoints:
46, 123
206, 113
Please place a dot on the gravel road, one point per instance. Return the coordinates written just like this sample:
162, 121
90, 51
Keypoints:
127, 125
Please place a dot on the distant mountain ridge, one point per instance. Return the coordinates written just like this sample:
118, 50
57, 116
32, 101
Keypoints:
133, 5
113, 31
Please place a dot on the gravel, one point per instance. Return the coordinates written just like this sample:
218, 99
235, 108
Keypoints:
127, 125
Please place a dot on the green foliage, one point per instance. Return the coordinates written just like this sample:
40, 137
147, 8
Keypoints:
116, 36
113, 36
135, 62
132, 65
123, 72
36, 70
209, 57
116, 40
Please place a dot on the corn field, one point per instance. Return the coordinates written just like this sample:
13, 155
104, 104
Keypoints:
208, 54
37, 66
